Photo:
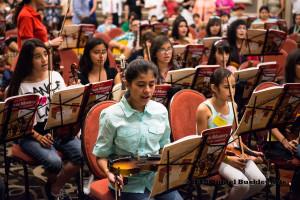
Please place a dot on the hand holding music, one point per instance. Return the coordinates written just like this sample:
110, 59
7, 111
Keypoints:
290, 145
111, 177
46, 141
237, 162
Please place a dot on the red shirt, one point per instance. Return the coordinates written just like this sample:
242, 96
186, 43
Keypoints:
30, 26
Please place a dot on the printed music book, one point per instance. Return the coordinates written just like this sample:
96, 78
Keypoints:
250, 20
186, 151
282, 25
263, 72
264, 25
201, 81
76, 36
160, 93
189, 55
263, 42
68, 104
181, 77
273, 106
22, 116
160, 28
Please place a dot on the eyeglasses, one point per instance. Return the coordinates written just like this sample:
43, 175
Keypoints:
162, 51
242, 28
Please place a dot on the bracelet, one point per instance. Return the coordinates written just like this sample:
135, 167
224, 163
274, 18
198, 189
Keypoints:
50, 43
105, 171
37, 136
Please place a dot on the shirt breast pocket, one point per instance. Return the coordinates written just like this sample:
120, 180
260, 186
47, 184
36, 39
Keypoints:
156, 132
127, 138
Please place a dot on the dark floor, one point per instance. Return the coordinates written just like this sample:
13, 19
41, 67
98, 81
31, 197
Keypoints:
37, 181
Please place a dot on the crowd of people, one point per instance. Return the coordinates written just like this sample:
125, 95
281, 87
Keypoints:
137, 125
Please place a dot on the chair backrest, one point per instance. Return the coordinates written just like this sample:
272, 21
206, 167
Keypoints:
182, 111
111, 58
201, 34
105, 37
193, 32
289, 45
11, 33
265, 85
115, 32
67, 58
89, 137
280, 59
244, 65
293, 36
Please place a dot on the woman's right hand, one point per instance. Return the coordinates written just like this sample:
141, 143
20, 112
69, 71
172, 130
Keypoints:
46, 141
111, 177
290, 145
57, 41
237, 162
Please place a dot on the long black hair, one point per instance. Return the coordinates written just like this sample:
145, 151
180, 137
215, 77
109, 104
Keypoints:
85, 62
155, 46
24, 65
218, 76
220, 46
231, 37
292, 60
213, 21
19, 7
175, 33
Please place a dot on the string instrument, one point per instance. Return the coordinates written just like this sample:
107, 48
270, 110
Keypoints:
127, 165
117, 51
138, 36
292, 131
74, 71
55, 53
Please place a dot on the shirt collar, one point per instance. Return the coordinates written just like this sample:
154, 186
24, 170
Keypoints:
32, 11
128, 111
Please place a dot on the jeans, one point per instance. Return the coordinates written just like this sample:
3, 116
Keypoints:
49, 158
174, 195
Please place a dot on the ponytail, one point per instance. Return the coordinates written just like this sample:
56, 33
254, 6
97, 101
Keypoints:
19, 7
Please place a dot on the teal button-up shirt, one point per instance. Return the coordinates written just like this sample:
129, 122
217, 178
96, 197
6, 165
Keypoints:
124, 131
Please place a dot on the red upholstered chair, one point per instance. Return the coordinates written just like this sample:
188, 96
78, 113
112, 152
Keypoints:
105, 37
244, 65
201, 34
280, 59
111, 58
193, 32
293, 36
11, 33
113, 33
289, 45
99, 189
67, 58
182, 111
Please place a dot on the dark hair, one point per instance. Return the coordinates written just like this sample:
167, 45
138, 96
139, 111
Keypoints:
224, 14
24, 65
155, 46
152, 16
177, 21
89, 20
196, 15
220, 46
19, 7
212, 22
132, 14
148, 36
292, 60
264, 8
218, 76
85, 62
231, 37
134, 20
139, 66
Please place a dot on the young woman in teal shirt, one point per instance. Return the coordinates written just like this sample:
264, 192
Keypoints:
136, 125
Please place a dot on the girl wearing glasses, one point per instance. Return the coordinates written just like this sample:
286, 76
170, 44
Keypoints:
161, 52
94, 63
236, 33
180, 32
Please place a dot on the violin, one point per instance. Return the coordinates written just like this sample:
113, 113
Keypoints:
292, 131
74, 71
127, 165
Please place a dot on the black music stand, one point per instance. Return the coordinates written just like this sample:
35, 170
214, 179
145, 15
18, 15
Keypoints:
23, 132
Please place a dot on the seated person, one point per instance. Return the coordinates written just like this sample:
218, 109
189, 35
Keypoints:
239, 10
264, 15
296, 27
213, 27
94, 63
107, 25
180, 32
135, 126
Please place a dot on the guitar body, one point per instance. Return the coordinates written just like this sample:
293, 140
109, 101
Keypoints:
117, 51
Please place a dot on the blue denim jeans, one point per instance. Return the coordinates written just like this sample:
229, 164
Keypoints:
70, 149
174, 195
